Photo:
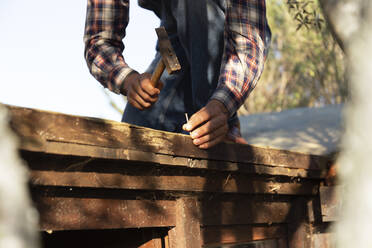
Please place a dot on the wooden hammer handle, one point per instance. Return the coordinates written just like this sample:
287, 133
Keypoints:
157, 73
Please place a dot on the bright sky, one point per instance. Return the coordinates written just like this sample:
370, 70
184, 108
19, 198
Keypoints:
42, 63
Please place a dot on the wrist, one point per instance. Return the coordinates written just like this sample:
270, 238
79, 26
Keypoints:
220, 106
128, 80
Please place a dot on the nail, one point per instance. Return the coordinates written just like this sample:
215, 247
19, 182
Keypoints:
188, 127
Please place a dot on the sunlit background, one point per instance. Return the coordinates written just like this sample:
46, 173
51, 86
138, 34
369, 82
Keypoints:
42, 56
42, 59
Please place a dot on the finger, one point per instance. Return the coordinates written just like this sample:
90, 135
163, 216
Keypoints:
212, 143
209, 127
138, 88
197, 119
135, 104
222, 131
240, 140
146, 97
147, 86
236, 139
134, 95
149, 89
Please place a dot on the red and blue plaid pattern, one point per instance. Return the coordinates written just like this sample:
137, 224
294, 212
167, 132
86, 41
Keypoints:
246, 36
104, 30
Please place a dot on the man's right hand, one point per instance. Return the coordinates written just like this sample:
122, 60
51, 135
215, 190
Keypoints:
139, 90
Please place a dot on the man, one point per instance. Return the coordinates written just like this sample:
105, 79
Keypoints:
221, 46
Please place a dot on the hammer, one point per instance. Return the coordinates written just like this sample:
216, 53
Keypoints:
168, 57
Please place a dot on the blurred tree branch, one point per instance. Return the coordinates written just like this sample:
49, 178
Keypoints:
351, 22
113, 104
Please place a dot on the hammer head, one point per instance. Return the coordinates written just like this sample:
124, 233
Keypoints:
168, 55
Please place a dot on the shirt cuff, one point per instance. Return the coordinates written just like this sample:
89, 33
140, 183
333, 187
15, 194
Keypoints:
228, 98
117, 77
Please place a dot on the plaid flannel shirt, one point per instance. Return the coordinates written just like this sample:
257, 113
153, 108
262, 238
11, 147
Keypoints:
246, 41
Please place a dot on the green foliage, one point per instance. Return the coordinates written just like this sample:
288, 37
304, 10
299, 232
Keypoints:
305, 67
305, 14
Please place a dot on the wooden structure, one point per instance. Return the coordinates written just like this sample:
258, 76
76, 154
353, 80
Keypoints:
101, 183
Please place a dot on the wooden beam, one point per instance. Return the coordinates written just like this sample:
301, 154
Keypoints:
154, 243
110, 238
220, 235
63, 213
271, 243
172, 238
330, 203
299, 229
69, 213
323, 240
56, 149
187, 229
37, 128
243, 212
223, 183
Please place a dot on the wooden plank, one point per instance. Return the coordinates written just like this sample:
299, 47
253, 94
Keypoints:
39, 127
154, 243
157, 240
330, 203
244, 211
299, 230
166, 241
214, 183
63, 213
282, 243
67, 213
95, 152
187, 230
111, 238
219, 235
314, 213
273, 243
323, 240
172, 238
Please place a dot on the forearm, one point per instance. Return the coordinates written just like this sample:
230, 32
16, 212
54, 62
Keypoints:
106, 21
246, 42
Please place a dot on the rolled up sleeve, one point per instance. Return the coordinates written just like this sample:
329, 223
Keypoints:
247, 37
105, 25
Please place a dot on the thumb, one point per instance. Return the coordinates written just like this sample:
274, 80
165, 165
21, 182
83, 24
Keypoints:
238, 140
235, 136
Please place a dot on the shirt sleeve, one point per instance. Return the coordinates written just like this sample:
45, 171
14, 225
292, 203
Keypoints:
105, 25
246, 36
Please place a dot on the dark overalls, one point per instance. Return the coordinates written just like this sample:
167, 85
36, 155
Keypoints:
195, 28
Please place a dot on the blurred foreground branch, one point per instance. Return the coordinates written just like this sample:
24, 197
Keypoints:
352, 20
18, 219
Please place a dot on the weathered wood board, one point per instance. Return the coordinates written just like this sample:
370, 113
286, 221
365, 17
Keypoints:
233, 234
330, 203
92, 175
38, 128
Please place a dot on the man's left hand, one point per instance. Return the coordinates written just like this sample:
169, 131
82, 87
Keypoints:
208, 126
